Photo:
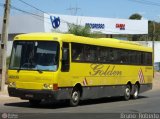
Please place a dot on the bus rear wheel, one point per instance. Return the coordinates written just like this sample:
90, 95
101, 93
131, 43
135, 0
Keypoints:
136, 92
75, 98
127, 92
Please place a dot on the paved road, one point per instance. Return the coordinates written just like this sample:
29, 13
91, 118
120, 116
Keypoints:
147, 102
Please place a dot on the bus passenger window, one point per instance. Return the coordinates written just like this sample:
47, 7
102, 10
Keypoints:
77, 52
90, 53
103, 55
124, 56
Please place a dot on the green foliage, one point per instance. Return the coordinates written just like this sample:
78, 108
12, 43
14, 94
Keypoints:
82, 31
79, 30
154, 30
151, 29
135, 16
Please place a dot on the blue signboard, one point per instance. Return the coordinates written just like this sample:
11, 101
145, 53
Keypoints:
55, 21
95, 25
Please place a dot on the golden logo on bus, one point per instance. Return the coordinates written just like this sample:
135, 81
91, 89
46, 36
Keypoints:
102, 70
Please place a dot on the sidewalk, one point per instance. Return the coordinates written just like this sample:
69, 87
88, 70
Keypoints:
4, 97
4, 94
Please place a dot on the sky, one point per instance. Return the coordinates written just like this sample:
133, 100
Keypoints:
149, 9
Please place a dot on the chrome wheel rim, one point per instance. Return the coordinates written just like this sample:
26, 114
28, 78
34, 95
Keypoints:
75, 96
127, 92
136, 92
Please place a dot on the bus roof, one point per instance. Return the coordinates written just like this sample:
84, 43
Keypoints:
108, 42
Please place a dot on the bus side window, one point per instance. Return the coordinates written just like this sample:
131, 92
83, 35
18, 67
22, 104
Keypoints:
77, 52
65, 58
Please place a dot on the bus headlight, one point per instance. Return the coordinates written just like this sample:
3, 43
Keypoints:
48, 86
12, 84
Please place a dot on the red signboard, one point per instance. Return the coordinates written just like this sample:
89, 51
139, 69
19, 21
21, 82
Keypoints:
120, 26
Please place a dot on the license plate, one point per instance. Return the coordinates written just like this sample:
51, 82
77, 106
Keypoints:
29, 95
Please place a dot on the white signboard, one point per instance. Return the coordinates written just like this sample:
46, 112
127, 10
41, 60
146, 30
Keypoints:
56, 22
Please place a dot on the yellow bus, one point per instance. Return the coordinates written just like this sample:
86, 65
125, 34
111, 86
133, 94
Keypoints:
54, 66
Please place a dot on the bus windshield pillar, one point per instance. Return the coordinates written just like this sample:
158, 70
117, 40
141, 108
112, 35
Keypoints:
65, 58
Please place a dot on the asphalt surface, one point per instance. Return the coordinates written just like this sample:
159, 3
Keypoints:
116, 107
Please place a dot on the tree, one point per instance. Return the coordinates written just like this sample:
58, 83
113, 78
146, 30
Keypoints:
153, 30
136, 16
83, 31
79, 30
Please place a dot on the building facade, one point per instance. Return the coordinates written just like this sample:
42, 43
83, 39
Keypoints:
60, 23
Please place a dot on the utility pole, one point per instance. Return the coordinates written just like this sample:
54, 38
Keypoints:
73, 10
4, 39
153, 34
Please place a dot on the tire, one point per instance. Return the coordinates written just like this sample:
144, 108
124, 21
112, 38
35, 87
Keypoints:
75, 98
34, 102
127, 92
136, 92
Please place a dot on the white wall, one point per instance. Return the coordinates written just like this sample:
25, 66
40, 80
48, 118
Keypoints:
9, 48
156, 48
9, 44
27, 23
24, 24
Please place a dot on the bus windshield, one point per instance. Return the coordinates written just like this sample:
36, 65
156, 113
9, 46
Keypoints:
34, 55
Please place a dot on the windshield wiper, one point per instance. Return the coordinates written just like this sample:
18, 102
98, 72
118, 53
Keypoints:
40, 71
18, 70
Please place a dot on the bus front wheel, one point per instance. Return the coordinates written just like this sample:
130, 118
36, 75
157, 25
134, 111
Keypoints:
75, 97
127, 92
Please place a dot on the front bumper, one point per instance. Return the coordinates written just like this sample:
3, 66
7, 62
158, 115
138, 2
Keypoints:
39, 94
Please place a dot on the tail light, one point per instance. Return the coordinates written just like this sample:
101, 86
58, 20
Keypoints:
55, 86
